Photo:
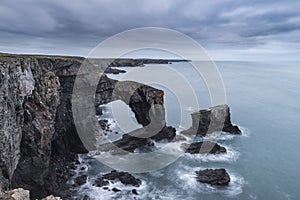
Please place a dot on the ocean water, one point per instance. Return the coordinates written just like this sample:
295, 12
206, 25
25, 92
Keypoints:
263, 162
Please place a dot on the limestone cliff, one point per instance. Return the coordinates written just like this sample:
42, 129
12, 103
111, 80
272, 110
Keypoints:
37, 134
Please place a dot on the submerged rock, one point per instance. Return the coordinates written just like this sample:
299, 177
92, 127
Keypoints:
203, 148
116, 190
134, 191
123, 177
213, 176
214, 119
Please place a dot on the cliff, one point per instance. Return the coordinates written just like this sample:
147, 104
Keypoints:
38, 138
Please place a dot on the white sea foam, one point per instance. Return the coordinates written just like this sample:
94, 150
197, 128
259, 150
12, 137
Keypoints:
245, 132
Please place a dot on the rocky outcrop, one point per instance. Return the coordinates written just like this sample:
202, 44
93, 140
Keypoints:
139, 139
124, 177
214, 119
38, 138
213, 176
205, 147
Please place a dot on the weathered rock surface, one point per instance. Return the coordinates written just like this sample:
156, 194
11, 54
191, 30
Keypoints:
124, 177
141, 139
214, 119
16, 194
213, 176
21, 194
38, 137
203, 148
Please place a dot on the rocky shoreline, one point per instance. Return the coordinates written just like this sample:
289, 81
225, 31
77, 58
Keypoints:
38, 139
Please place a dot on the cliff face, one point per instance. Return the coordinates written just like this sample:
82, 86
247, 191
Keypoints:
214, 119
37, 133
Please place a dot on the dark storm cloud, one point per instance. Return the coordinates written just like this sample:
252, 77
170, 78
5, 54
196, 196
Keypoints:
74, 26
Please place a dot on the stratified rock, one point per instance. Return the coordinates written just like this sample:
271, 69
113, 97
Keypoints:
123, 177
214, 119
203, 148
213, 176
38, 137
80, 180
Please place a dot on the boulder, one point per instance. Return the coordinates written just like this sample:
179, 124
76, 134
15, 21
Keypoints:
80, 180
213, 176
203, 148
123, 177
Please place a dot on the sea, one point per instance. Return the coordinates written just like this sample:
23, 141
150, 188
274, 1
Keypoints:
263, 162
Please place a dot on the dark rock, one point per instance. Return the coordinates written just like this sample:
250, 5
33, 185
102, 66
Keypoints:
130, 143
134, 191
110, 70
203, 148
213, 176
86, 197
77, 162
72, 173
98, 110
38, 137
167, 133
80, 180
123, 177
116, 190
100, 182
214, 119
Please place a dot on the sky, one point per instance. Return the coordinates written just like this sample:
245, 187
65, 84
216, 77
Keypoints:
253, 30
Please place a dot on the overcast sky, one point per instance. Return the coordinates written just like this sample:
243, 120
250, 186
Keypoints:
227, 29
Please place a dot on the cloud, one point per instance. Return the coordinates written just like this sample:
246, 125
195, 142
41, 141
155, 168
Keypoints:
75, 26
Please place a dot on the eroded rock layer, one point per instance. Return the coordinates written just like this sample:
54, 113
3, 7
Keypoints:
38, 136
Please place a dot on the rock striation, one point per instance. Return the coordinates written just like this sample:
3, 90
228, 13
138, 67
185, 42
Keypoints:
214, 119
38, 138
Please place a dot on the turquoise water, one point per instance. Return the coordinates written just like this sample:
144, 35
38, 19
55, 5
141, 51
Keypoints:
263, 162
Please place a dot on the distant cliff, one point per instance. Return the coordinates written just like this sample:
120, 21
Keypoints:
37, 134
